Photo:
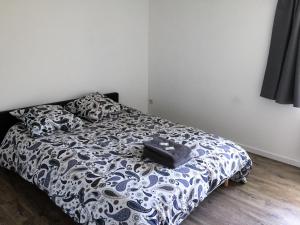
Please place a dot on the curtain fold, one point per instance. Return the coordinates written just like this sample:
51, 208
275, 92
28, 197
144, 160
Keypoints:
282, 82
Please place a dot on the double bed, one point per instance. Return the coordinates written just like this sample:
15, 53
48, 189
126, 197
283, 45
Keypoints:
97, 174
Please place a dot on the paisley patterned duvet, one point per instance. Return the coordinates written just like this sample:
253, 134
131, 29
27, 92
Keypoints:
96, 174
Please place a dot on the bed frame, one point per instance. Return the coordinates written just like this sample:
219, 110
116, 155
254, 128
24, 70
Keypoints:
7, 120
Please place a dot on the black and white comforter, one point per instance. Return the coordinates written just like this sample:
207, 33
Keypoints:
96, 174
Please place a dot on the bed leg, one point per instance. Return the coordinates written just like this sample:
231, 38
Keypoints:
226, 183
244, 180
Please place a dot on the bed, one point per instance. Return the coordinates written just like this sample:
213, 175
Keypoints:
97, 175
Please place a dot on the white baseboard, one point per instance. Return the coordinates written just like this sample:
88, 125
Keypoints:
276, 157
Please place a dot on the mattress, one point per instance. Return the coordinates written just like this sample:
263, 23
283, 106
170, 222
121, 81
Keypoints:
97, 175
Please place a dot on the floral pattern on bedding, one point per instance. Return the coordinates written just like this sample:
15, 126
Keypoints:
96, 174
44, 120
94, 107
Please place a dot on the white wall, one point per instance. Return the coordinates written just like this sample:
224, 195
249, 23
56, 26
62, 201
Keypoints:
57, 49
207, 62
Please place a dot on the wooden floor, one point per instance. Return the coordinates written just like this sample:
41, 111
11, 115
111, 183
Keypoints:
271, 197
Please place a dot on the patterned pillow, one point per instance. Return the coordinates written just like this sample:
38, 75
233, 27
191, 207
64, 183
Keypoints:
44, 120
94, 107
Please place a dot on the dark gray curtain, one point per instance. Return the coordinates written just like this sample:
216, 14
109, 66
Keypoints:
282, 81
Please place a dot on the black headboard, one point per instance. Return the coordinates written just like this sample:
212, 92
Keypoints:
7, 120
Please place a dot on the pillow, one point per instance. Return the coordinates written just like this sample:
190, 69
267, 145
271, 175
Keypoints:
94, 107
44, 120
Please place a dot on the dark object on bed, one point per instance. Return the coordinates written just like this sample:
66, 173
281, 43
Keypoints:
166, 152
7, 120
